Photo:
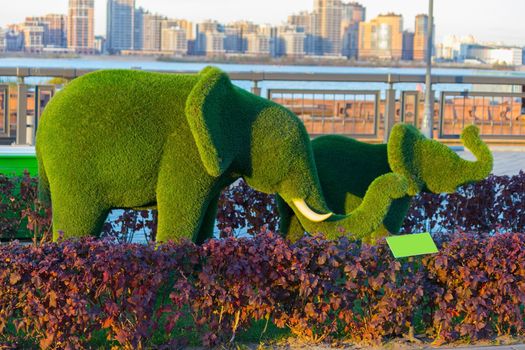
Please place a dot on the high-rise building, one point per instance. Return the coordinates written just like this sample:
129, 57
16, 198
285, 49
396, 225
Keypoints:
209, 38
120, 29
209, 26
188, 28
14, 38
2, 40
353, 13
138, 29
292, 41
234, 39
174, 40
235, 35
168, 23
258, 44
81, 26
54, 28
213, 43
273, 35
408, 46
450, 47
381, 38
420, 37
151, 31
56, 31
328, 25
309, 24
245, 26
33, 38
302, 19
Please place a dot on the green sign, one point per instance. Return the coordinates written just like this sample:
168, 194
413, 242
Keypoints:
411, 245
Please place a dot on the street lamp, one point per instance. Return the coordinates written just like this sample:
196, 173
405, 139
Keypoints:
427, 126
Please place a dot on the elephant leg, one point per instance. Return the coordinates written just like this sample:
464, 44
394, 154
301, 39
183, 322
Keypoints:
77, 216
208, 222
397, 213
289, 225
285, 215
182, 210
184, 192
295, 229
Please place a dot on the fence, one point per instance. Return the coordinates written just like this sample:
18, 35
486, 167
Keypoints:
354, 112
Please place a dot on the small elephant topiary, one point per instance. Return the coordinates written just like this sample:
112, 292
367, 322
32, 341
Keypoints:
132, 139
348, 171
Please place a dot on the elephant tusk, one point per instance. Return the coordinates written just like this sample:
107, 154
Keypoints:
301, 205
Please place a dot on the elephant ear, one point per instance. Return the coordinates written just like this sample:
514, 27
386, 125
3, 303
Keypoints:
205, 110
402, 156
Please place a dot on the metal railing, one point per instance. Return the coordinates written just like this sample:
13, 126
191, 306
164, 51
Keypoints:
361, 113
346, 112
498, 115
4, 110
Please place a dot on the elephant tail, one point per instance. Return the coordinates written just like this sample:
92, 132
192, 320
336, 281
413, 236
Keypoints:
44, 194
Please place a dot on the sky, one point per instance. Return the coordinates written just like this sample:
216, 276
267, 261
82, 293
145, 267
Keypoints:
487, 20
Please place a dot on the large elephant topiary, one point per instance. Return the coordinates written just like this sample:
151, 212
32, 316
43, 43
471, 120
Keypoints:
347, 168
131, 139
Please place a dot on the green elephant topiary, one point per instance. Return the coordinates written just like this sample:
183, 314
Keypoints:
131, 139
348, 170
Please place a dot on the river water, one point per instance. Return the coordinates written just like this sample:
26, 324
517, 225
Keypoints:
104, 62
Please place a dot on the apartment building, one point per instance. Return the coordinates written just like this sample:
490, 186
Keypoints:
328, 25
381, 38
174, 40
81, 26
420, 37
120, 28
352, 14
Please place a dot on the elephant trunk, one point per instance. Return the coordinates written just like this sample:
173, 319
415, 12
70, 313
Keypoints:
444, 170
367, 217
483, 166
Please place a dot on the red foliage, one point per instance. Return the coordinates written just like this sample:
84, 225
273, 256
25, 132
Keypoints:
21, 214
61, 294
494, 205
478, 286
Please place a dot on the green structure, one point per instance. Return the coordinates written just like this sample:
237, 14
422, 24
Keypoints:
349, 170
131, 139
15, 163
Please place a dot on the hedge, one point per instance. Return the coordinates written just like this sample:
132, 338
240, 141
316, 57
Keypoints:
74, 294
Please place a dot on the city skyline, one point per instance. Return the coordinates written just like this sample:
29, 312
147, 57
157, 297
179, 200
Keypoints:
495, 24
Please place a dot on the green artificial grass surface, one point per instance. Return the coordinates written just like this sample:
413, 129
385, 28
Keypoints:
430, 166
359, 177
131, 139
128, 139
